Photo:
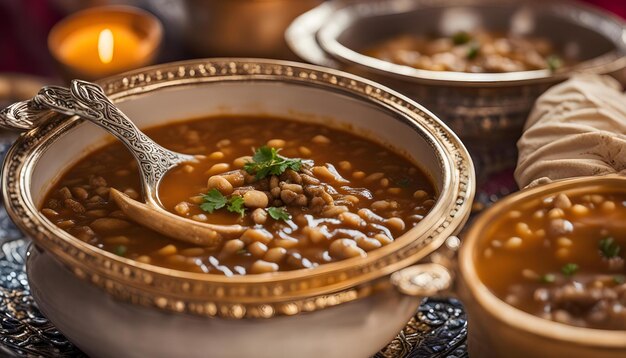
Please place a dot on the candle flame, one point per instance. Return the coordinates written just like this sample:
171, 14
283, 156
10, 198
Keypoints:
105, 46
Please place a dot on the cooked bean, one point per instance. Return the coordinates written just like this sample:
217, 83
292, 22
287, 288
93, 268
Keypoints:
320, 139
580, 210
167, 250
334, 210
182, 208
65, 224
97, 182
287, 243
188, 168
380, 205
368, 244
304, 151
345, 248
383, 239
200, 217
373, 177
232, 246
314, 234
143, 259
276, 143
236, 177
513, 243
49, 213
608, 206
255, 199
109, 224
345, 165
420, 195
80, 193
217, 169
259, 216
296, 188
275, 254
257, 249
358, 175
242, 161
102, 191
221, 184
394, 191
288, 196
251, 235
223, 143
395, 224
351, 219
260, 266
562, 202
65, 193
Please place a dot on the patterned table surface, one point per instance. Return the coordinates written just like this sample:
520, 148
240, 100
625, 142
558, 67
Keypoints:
438, 328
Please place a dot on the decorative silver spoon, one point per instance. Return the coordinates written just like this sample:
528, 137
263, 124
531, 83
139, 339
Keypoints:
88, 100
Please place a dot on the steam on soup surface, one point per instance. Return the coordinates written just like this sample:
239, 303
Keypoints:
562, 258
308, 194
478, 52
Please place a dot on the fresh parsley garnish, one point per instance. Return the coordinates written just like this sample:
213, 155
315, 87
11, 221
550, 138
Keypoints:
235, 205
279, 213
569, 269
266, 161
473, 50
547, 278
554, 62
609, 248
619, 279
214, 200
461, 38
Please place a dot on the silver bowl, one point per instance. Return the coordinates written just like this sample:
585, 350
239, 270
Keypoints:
487, 110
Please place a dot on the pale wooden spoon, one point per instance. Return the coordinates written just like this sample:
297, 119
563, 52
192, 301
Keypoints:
87, 100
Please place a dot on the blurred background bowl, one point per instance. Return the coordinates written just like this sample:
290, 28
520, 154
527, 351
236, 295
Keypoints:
487, 110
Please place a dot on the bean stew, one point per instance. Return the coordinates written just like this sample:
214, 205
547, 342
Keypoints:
477, 52
561, 258
308, 194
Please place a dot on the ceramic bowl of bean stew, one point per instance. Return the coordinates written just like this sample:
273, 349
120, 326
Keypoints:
543, 272
343, 187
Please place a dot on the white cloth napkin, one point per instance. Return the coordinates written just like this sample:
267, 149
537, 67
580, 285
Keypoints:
576, 128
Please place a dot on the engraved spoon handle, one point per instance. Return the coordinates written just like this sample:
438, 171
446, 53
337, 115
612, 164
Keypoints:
89, 101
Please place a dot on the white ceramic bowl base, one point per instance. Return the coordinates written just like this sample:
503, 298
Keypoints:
103, 327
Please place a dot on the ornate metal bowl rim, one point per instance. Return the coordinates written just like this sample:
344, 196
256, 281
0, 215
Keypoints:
516, 317
175, 290
340, 19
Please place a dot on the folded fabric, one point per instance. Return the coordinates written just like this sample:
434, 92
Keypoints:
576, 128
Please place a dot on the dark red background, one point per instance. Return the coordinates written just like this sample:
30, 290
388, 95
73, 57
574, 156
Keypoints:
24, 25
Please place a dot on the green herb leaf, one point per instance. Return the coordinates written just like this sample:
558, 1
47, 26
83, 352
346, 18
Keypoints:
554, 62
235, 205
547, 278
569, 269
619, 279
461, 38
213, 200
473, 50
279, 213
120, 250
609, 248
242, 252
266, 161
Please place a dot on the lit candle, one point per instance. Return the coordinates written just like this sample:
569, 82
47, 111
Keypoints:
102, 41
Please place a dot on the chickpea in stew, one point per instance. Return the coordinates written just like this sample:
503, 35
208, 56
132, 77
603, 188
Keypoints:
561, 258
478, 52
309, 195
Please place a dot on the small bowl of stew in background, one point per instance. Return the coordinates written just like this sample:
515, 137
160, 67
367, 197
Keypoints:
543, 272
366, 184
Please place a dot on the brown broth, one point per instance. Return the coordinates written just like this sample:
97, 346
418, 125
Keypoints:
548, 259
400, 194
477, 52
